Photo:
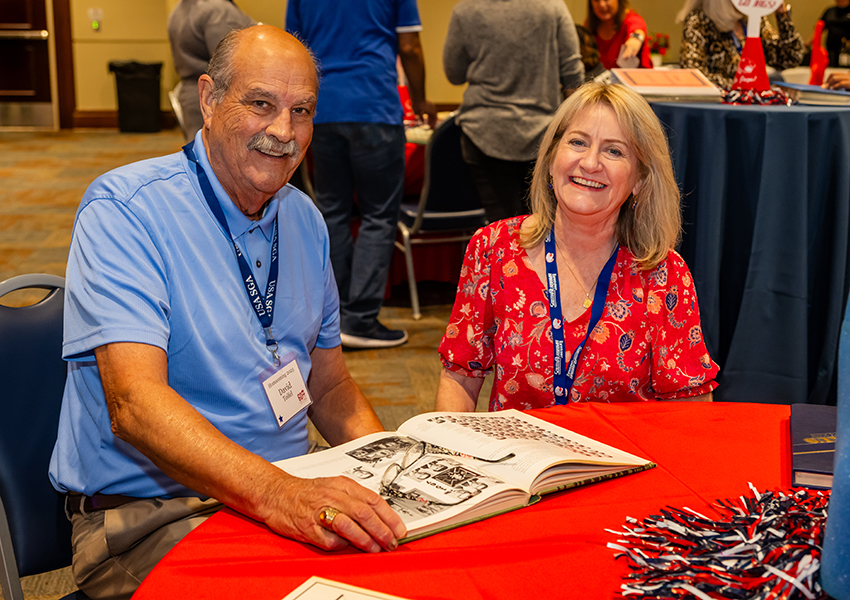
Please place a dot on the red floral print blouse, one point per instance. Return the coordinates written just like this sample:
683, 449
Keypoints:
648, 344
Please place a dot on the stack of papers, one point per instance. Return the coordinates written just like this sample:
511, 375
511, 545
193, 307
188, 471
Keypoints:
669, 85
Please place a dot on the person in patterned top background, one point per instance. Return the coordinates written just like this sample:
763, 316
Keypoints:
596, 255
713, 38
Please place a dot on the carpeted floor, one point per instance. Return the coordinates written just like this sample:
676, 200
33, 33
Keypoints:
42, 178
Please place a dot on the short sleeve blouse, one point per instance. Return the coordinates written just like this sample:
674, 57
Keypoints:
648, 345
609, 50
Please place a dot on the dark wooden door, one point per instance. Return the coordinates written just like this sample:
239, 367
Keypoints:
24, 57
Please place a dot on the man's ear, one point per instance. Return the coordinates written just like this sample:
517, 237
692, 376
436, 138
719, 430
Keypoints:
206, 87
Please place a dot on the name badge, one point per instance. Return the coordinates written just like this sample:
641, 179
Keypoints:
285, 391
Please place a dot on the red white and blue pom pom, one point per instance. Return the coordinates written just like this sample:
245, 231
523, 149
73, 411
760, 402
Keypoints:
763, 547
771, 97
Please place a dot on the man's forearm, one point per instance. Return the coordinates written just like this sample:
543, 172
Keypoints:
185, 446
413, 62
148, 414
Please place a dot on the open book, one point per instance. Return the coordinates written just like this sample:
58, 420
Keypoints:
441, 470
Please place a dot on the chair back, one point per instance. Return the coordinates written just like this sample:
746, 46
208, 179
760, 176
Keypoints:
174, 99
32, 373
447, 187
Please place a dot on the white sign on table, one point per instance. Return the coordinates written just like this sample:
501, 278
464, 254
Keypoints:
755, 10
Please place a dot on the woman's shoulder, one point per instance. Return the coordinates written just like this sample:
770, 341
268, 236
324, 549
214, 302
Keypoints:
696, 18
634, 19
500, 233
670, 271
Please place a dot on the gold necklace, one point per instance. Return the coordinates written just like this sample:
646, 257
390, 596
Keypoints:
587, 302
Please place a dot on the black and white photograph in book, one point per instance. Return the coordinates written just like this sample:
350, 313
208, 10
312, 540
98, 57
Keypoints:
511, 428
382, 450
427, 486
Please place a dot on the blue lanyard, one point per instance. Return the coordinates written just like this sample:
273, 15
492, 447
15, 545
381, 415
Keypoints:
263, 305
562, 380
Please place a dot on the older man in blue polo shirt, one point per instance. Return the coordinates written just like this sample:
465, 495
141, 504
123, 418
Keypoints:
201, 330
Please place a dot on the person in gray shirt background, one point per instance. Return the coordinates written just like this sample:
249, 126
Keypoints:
195, 27
519, 57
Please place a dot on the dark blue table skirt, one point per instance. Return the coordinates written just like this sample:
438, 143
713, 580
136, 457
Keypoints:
766, 207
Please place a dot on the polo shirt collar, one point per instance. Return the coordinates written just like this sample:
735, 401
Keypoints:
238, 223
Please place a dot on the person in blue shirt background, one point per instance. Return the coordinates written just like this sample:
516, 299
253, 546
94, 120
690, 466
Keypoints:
358, 143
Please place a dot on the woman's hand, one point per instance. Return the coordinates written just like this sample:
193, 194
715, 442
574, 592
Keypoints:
838, 81
631, 47
633, 44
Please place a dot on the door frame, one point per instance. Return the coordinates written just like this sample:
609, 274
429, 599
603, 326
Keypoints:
63, 42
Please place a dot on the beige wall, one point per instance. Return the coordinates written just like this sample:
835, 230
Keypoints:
136, 30
272, 12
133, 30
130, 30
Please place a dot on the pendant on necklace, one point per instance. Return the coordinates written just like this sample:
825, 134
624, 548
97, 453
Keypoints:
587, 303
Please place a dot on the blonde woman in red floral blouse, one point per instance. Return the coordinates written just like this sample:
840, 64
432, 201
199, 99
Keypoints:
584, 300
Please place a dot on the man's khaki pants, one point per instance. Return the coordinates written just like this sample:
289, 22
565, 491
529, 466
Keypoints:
115, 549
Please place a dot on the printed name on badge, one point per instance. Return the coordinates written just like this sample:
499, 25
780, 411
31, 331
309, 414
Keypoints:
286, 392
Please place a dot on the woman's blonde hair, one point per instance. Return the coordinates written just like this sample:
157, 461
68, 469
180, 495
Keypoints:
649, 224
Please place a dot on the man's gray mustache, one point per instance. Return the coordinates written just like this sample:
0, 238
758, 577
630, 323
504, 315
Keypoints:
269, 145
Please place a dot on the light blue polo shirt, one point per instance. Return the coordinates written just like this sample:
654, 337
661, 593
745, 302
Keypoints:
356, 44
150, 264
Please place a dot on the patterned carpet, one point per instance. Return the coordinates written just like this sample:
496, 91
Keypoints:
42, 178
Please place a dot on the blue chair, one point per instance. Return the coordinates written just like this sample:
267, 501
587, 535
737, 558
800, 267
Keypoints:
35, 535
448, 209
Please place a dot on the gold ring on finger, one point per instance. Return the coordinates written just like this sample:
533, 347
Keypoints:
327, 516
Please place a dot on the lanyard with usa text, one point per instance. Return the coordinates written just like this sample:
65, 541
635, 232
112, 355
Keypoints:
263, 305
563, 374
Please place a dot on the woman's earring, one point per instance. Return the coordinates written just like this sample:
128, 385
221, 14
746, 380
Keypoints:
551, 187
634, 202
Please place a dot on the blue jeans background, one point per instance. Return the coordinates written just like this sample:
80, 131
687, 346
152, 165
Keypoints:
366, 159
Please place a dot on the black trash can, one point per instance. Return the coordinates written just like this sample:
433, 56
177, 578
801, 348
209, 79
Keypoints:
138, 96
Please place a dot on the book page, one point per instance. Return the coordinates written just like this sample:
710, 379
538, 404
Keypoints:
537, 444
423, 489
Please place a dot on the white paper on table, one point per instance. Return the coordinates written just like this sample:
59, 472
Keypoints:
318, 588
627, 63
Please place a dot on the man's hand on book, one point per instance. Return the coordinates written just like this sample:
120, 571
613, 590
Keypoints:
364, 520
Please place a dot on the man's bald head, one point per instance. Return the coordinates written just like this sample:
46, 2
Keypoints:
258, 101
257, 40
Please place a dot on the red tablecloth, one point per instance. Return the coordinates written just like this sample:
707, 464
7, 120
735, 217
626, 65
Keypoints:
554, 549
